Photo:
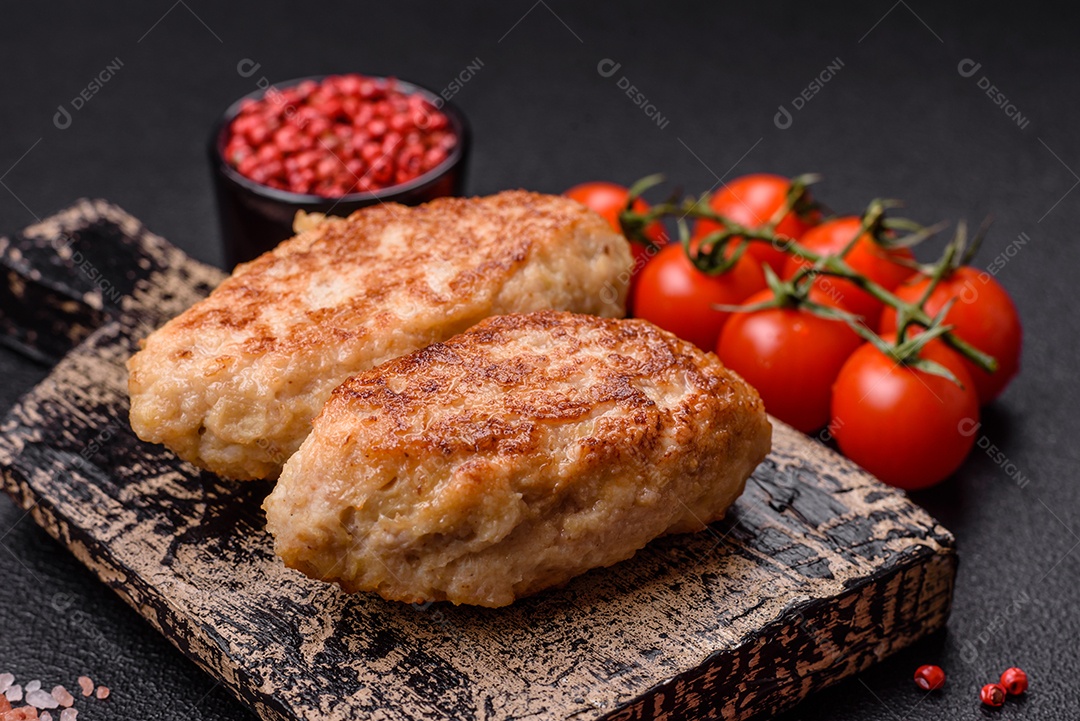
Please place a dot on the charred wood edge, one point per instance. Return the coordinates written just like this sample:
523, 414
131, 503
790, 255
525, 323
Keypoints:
44, 316
49, 301
41, 322
198, 644
764, 692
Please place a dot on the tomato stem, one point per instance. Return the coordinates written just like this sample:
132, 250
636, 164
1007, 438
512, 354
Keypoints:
710, 255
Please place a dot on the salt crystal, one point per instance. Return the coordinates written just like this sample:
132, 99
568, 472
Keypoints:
32, 686
46, 716
68, 714
102, 692
5, 706
40, 699
86, 685
62, 696
14, 693
6, 679
23, 713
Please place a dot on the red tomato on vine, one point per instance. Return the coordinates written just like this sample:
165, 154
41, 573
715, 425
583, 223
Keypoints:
909, 427
983, 315
675, 295
790, 355
885, 266
751, 201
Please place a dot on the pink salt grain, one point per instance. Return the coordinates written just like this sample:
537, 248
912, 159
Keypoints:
23, 713
68, 714
45, 716
40, 699
86, 685
14, 693
5, 705
62, 696
102, 692
6, 679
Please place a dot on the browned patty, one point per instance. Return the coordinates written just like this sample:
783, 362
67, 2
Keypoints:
232, 384
513, 457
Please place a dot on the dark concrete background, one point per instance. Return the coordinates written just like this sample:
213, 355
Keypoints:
897, 120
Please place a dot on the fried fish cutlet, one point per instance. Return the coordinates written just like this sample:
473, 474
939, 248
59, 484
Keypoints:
514, 457
232, 383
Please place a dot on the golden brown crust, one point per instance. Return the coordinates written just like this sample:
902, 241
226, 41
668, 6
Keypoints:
428, 381
514, 456
518, 222
232, 383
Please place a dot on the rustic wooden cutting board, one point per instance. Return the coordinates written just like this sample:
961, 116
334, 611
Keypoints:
818, 572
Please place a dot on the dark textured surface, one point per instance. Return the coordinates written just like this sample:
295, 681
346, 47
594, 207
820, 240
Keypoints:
65, 277
897, 120
816, 572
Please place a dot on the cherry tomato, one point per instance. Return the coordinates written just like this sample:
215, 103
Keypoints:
751, 201
908, 427
676, 296
791, 356
883, 266
608, 200
983, 315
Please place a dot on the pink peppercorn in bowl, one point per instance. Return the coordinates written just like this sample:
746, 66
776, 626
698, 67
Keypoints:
330, 144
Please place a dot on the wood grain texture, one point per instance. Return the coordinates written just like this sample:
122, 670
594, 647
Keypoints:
69, 274
818, 572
